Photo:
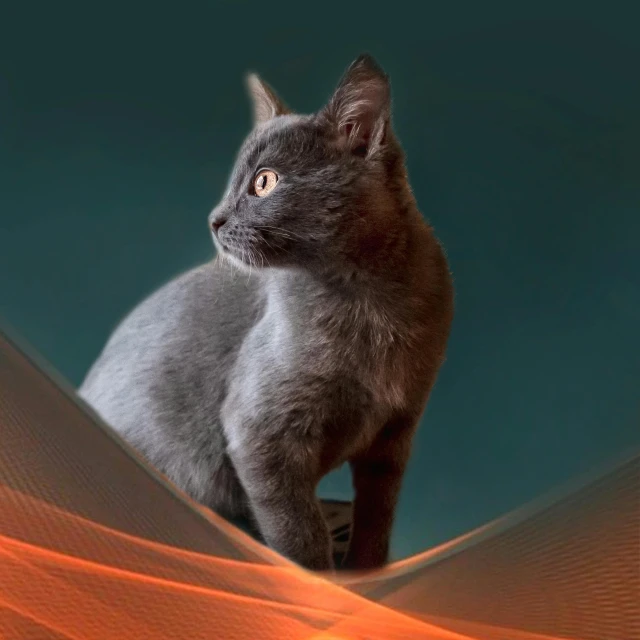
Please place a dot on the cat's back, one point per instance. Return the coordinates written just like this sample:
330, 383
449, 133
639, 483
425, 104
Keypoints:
181, 339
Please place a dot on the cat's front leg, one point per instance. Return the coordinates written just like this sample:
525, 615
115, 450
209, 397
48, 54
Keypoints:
277, 471
377, 479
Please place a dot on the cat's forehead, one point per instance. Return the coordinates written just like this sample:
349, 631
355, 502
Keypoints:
281, 140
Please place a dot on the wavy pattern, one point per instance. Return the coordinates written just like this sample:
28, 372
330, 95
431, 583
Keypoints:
95, 544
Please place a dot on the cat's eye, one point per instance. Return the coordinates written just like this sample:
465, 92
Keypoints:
264, 182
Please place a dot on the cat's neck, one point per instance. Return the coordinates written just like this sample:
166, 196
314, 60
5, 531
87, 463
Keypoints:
381, 293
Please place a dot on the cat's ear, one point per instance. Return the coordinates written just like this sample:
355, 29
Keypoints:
360, 109
266, 104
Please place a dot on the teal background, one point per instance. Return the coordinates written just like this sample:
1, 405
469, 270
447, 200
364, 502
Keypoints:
119, 124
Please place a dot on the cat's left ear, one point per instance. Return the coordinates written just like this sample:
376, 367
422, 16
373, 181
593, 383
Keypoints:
266, 104
360, 109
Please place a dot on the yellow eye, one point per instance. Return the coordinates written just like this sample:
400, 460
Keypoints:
265, 182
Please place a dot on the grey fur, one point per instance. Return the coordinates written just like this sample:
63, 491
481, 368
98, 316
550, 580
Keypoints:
314, 338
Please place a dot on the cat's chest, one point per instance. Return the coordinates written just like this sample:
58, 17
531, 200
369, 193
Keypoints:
373, 358
361, 345
342, 387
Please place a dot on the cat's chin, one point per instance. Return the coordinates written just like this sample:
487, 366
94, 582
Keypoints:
238, 262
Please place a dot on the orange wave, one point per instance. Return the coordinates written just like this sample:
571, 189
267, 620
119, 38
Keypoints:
143, 589
94, 544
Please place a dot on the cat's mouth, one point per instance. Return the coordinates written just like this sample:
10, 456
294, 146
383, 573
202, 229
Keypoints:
249, 247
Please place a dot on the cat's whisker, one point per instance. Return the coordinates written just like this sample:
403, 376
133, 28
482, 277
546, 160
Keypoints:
284, 231
262, 254
278, 233
223, 264
274, 249
269, 263
285, 250
249, 262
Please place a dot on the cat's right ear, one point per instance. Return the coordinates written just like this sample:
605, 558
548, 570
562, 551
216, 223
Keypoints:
266, 104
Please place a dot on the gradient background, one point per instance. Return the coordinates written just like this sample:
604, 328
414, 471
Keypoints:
119, 124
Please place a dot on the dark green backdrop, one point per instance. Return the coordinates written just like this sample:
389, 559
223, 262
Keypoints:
522, 127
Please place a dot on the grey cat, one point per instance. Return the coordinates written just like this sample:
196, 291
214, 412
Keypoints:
314, 338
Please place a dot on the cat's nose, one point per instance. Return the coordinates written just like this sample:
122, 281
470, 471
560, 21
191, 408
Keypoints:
217, 224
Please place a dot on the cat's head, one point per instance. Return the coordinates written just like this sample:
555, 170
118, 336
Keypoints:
321, 191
